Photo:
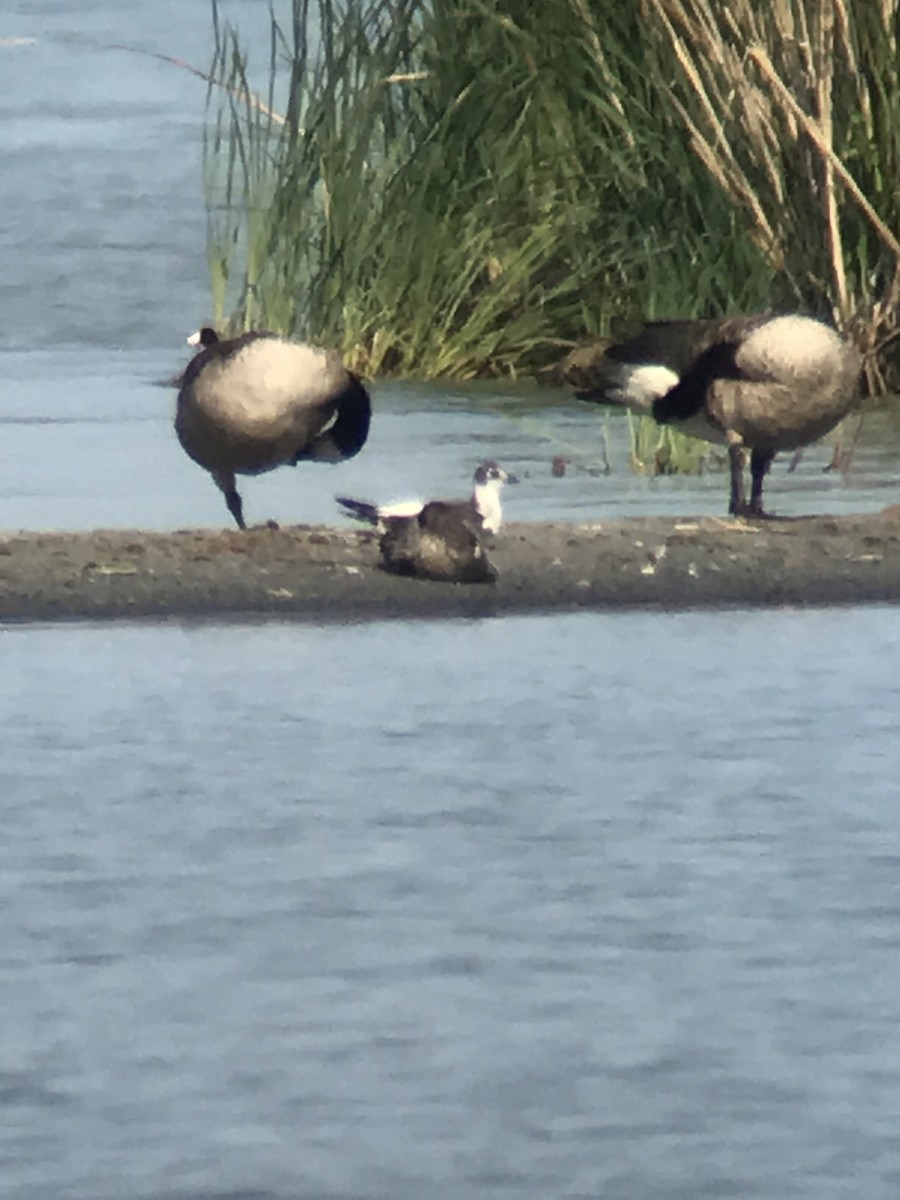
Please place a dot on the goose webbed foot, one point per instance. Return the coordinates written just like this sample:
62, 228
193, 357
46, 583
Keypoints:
750, 510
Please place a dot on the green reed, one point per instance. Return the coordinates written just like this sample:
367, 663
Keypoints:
457, 191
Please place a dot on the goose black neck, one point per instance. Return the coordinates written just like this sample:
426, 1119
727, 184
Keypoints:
688, 396
351, 425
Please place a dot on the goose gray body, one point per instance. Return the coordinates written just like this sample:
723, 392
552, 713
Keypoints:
252, 403
440, 539
759, 384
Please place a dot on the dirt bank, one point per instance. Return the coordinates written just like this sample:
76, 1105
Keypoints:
333, 574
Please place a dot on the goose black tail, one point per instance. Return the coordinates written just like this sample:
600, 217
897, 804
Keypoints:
360, 509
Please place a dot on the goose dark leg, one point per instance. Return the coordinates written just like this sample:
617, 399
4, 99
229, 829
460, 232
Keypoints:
235, 506
225, 481
737, 506
760, 461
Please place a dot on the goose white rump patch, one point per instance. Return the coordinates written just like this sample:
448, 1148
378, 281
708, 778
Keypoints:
638, 386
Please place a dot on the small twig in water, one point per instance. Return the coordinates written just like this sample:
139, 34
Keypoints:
237, 93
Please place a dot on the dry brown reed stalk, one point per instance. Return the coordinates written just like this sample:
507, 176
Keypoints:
713, 74
771, 95
816, 133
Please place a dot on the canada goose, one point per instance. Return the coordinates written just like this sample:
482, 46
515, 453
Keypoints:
759, 383
439, 539
251, 403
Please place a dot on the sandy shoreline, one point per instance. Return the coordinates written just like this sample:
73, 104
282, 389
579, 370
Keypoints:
321, 573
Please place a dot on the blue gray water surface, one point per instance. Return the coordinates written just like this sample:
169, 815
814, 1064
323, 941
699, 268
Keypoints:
536, 907
570, 906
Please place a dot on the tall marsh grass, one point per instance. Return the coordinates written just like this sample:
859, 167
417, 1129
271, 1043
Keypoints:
465, 187
455, 190
793, 108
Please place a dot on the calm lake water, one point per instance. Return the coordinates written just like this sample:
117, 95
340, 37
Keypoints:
533, 907
565, 906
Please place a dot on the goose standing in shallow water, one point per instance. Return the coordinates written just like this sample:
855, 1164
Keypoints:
759, 383
252, 403
439, 539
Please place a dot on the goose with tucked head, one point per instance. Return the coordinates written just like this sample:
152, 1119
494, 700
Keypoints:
439, 539
759, 383
252, 403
